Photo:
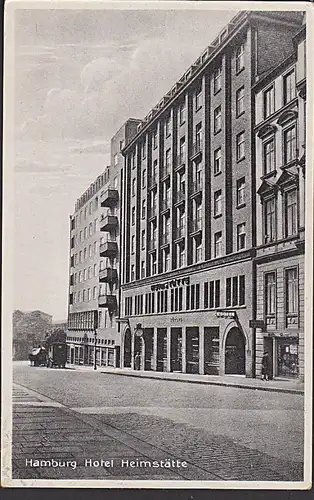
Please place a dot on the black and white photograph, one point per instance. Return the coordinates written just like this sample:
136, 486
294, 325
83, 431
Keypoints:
158, 199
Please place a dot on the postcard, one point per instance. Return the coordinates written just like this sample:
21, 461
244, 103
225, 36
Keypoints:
158, 244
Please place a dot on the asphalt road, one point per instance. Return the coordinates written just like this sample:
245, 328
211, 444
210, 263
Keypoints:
268, 422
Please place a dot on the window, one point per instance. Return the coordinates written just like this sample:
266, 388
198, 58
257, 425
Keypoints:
240, 146
84, 295
217, 161
235, 291
155, 139
241, 192
90, 250
182, 113
143, 150
133, 216
217, 203
239, 58
143, 239
212, 294
198, 136
181, 254
89, 294
269, 101
144, 178
198, 99
241, 236
95, 269
143, 209
166, 260
116, 159
291, 213
85, 233
292, 297
132, 272
217, 119
240, 101
182, 150
153, 263
133, 244
269, 156
289, 144
217, 79
95, 247
133, 186
288, 87
218, 244
168, 126
168, 161
133, 162
142, 269
85, 253
121, 144
89, 272
270, 297
270, 220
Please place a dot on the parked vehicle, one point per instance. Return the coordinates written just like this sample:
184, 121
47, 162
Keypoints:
38, 356
57, 355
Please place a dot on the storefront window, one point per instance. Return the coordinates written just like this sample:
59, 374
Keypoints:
287, 358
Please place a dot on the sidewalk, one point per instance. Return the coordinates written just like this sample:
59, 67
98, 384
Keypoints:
238, 381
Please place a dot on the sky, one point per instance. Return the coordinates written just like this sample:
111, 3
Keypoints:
79, 74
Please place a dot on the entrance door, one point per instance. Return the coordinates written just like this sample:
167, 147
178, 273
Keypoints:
192, 350
211, 350
287, 357
161, 349
127, 349
148, 339
176, 349
235, 353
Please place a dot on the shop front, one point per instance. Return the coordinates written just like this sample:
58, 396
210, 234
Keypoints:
283, 352
159, 344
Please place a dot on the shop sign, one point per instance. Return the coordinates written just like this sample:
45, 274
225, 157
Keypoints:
226, 314
171, 284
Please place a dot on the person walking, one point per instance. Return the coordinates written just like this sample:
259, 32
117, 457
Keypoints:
137, 361
265, 366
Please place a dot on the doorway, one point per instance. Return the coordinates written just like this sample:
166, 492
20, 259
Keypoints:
127, 348
235, 352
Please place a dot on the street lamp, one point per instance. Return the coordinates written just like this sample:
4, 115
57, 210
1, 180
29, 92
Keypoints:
95, 352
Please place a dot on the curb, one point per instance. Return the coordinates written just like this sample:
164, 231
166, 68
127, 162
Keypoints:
210, 382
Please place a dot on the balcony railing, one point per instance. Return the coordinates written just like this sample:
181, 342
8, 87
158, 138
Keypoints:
180, 162
108, 249
109, 198
165, 204
179, 196
196, 148
196, 225
165, 171
108, 223
165, 239
109, 301
179, 232
108, 275
152, 211
196, 186
152, 245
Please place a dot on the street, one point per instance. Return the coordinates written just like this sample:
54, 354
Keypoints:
222, 433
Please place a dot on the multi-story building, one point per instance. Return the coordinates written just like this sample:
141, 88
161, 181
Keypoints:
187, 294
94, 264
280, 209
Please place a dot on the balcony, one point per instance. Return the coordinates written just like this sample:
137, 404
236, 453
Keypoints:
165, 204
108, 249
179, 232
152, 245
196, 187
179, 196
152, 182
196, 225
108, 275
152, 212
109, 198
109, 301
180, 161
165, 239
196, 149
165, 171
109, 223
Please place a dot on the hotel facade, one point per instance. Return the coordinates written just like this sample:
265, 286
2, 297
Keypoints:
92, 331
190, 268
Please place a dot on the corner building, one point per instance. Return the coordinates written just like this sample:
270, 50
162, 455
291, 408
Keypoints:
94, 264
280, 210
187, 289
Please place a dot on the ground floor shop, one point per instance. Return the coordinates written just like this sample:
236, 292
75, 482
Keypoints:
283, 353
84, 349
175, 344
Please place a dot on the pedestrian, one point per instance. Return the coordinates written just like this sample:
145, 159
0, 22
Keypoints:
137, 361
265, 366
